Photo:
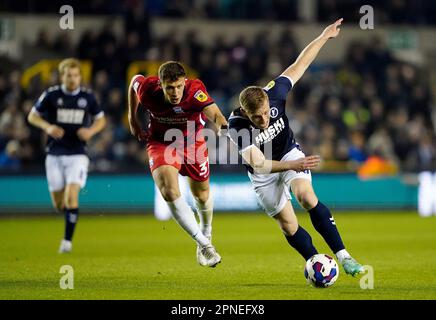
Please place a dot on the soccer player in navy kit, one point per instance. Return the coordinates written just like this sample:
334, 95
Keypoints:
275, 162
70, 115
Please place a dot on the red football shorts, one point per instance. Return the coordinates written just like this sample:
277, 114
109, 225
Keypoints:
191, 161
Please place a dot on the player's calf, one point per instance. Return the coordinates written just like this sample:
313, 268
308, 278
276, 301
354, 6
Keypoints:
71, 215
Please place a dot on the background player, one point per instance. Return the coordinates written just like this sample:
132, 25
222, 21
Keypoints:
285, 166
65, 113
172, 101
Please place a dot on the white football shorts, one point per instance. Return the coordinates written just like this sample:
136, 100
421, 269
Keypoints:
64, 170
272, 190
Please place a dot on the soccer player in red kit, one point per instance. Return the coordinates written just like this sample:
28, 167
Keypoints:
178, 105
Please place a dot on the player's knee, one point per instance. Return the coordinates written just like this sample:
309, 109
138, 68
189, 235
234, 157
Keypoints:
288, 222
307, 199
71, 201
59, 206
170, 193
202, 196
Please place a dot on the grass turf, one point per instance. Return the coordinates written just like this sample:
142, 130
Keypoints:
138, 257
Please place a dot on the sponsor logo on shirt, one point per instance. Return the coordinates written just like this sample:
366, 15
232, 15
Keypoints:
271, 132
178, 109
70, 116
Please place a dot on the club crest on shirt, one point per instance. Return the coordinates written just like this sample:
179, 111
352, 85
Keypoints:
60, 102
200, 96
178, 109
82, 103
274, 112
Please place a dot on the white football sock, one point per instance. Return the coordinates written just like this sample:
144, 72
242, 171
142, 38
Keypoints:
205, 213
342, 255
185, 217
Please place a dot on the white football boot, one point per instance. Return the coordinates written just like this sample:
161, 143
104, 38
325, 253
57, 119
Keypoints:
207, 256
66, 246
200, 258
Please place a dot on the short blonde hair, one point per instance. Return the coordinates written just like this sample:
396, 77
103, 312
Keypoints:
251, 98
68, 63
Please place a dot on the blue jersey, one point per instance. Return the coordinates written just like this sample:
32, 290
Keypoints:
70, 111
274, 141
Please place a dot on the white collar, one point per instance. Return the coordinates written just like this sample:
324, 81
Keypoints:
70, 93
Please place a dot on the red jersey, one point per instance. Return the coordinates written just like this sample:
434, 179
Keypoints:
164, 115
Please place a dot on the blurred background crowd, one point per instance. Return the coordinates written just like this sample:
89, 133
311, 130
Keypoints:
368, 105
388, 11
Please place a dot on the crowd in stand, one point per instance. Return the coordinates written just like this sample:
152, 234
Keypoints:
420, 12
368, 104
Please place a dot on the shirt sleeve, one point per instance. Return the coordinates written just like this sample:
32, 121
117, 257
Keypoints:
42, 104
95, 108
137, 80
201, 97
279, 88
239, 134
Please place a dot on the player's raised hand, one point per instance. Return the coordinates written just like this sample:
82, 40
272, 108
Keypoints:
54, 131
306, 163
332, 30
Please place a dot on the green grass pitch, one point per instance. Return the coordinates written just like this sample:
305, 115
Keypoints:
138, 257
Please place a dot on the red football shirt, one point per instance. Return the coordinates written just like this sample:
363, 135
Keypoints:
164, 115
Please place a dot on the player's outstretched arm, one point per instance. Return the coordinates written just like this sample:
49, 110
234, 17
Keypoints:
256, 159
213, 113
297, 69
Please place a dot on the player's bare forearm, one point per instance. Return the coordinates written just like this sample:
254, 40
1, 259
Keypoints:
256, 159
132, 102
98, 125
86, 134
51, 129
273, 166
37, 121
309, 53
213, 113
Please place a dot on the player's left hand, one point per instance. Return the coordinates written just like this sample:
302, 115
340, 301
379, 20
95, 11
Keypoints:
85, 134
332, 31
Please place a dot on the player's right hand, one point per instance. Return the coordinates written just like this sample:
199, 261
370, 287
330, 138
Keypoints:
54, 131
306, 163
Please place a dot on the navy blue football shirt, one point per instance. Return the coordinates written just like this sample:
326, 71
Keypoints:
70, 111
274, 141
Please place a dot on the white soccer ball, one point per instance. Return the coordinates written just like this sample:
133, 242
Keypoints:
321, 271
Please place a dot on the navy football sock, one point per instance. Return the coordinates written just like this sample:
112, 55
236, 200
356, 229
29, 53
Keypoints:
324, 223
71, 216
302, 242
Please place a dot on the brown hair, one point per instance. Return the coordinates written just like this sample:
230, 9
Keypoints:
251, 98
68, 63
171, 71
